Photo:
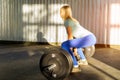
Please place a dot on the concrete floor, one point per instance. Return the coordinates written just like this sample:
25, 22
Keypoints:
22, 63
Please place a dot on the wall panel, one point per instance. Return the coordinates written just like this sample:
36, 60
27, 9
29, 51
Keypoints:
39, 20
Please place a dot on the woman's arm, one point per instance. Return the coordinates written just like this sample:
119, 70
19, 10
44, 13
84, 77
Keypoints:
70, 36
69, 32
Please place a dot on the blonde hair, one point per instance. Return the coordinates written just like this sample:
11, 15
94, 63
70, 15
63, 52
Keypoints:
68, 13
67, 10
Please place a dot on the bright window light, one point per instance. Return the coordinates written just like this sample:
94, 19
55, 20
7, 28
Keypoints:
34, 13
115, 14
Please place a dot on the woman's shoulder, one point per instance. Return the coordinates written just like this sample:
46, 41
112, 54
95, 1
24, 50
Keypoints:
67, 22
71, 22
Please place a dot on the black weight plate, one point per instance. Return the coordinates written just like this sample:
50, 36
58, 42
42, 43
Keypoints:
54, 58
89, 51
68, 56
62, 61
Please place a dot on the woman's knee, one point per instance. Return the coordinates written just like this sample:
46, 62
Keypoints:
64, 44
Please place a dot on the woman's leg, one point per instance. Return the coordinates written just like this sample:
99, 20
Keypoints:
65, 46
80, 52
78, 43
83, 42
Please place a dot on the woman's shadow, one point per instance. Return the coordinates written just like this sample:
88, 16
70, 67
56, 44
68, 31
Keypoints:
41, 39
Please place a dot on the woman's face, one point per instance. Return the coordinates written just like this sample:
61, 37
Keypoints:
62, 13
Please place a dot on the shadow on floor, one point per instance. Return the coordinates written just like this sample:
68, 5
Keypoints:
109, 56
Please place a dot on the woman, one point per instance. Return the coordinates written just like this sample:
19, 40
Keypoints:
78, 37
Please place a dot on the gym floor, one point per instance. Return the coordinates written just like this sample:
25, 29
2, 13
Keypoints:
19, 62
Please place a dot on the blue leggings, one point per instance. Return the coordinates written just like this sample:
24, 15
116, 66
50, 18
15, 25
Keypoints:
78, 43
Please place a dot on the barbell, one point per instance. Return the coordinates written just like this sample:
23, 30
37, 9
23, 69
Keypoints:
57, 64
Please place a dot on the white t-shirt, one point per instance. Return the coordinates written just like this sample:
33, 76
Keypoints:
77, 30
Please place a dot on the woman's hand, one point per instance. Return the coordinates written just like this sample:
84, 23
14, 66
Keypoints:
75, 51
